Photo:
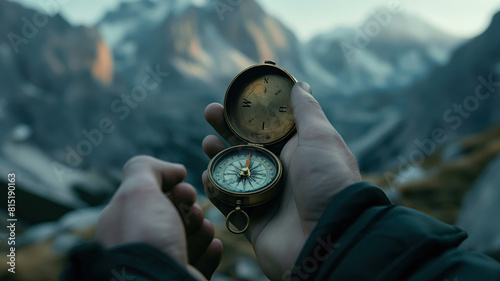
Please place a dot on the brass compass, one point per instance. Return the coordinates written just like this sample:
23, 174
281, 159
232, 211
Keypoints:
257, 110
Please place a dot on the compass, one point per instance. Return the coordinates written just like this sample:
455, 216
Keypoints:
257, 110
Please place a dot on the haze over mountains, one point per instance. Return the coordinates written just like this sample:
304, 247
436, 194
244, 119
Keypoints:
65, 80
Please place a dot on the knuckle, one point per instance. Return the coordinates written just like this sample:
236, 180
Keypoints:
140, 159
134, 188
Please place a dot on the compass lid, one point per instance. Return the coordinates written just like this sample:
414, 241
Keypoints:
257, 104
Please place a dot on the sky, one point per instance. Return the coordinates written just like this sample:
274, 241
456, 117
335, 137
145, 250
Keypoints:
462, 18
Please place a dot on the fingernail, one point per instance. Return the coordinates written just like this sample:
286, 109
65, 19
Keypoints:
306, 87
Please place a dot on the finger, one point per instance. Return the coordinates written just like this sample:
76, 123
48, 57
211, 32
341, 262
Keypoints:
192, 217
209, 261
214, 114
144, 170
183, 196
198, 241
212, 145
311, 121
183, 193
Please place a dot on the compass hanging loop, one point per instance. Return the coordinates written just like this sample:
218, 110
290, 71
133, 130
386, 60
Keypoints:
237, 210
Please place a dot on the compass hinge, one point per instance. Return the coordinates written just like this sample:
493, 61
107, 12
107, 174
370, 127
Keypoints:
255, 144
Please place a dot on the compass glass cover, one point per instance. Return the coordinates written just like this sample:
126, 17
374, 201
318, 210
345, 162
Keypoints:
244, 170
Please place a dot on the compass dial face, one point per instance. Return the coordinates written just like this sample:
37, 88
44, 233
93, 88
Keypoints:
244, 170
257, 105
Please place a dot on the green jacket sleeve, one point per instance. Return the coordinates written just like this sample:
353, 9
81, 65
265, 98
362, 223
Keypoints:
362, 236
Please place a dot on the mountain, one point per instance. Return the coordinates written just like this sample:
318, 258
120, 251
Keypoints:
202, 50
197, 43
54, 79
386, 51
50, 70
456, 99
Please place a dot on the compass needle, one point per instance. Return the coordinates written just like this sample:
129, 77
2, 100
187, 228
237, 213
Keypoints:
248, 160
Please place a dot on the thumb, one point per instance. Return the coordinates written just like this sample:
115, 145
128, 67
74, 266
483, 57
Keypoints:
309, 118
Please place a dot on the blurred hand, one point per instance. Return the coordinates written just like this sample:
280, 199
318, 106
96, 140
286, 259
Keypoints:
140, 212
317, 165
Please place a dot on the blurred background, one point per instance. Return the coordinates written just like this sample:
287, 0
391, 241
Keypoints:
413, 87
